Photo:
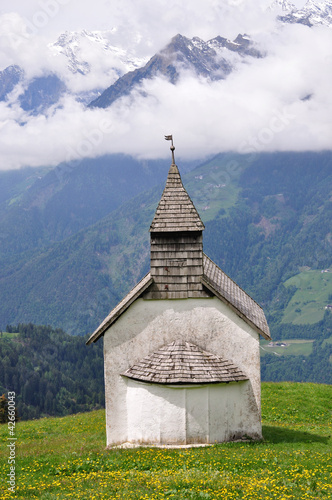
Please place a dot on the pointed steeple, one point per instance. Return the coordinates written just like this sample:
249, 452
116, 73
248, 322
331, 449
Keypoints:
176, 242
176, 211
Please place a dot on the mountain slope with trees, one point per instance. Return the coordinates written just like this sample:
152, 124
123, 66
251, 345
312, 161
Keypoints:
265, 221
51, 372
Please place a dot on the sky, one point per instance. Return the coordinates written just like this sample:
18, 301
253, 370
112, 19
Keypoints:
279, 102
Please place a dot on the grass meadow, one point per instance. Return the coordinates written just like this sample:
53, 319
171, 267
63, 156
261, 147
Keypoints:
65, 458
293, 347
307, 304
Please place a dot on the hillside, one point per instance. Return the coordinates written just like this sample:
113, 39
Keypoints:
60, 455
51, 372
39, 207
267, 218
312, 290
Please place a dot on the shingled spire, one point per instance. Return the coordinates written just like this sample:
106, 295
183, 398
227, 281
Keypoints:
176, 242
175, 212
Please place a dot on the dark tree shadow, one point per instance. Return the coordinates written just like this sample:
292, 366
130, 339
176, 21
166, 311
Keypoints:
283, 435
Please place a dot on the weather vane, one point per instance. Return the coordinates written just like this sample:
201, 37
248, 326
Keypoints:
172, 148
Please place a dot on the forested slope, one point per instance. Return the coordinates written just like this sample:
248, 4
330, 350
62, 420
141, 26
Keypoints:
51, 372
267, 219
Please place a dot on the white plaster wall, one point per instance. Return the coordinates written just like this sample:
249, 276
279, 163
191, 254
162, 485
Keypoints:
175, 415
156, 414
148, 325
197, 414
233, 414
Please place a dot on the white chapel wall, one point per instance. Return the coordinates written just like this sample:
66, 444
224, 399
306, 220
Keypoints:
148, 325
175, 415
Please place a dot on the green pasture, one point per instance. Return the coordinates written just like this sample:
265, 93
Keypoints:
307, 306
65, 458
214, 186
7, 335
291, 347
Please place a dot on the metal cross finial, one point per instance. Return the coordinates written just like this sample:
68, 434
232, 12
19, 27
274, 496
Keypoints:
172, 148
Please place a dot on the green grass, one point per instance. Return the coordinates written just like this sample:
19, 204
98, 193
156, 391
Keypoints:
293, 347
7, 335
312, 295
58, 458
20, 188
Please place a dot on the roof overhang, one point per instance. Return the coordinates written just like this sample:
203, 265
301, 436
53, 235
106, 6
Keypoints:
209, 286
121, 308
214, 280
182, 362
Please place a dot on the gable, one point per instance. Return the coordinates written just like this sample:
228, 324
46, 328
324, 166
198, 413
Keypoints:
217, 282
121, 308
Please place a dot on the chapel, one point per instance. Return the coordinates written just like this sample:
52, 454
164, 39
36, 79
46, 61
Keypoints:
181, 350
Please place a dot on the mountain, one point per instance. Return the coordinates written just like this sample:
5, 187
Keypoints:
283, 5
81, 48
313, 13
84, 51
9, 78
14, 182
267, 220
35, 95
42, 93
87, 54
213, 59
97, 68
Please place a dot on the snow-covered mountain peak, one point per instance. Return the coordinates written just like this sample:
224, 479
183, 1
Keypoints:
282, 5
82, 48
314, 12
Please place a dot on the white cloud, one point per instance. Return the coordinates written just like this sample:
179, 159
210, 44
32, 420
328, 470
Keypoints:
280, 102
150, 23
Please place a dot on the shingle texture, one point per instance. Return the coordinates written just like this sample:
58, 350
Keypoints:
184, 363
216, 281
179, 269
175, 212
227, 289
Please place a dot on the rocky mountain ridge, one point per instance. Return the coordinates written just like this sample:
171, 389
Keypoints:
313, 13
214, 59
94, 57
73, 46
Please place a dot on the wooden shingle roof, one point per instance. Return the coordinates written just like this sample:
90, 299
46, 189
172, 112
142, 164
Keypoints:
184, 363
229, 292
176, 212
217, 282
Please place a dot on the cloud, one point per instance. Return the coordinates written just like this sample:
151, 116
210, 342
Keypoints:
141, 27
142, 24
279, 102
19, 46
